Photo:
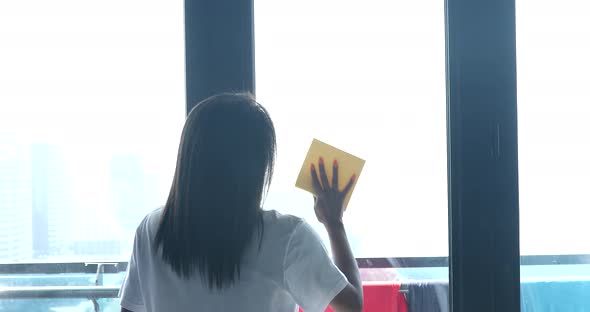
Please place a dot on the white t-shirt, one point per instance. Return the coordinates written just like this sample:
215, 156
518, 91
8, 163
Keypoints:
291, 268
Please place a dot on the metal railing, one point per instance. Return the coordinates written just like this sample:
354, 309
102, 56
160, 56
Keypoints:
99, 291
93, 293
61, 292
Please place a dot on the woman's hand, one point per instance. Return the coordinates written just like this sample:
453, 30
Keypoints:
329, 200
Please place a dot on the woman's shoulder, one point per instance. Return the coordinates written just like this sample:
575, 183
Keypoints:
280, 227
273, 218
149, 224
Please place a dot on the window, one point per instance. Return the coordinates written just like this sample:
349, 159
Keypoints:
353, 76
91, 109
367, 78
554, 153
554, 145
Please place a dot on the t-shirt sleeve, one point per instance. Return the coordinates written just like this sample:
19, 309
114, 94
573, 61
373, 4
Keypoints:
130, 293
311, 277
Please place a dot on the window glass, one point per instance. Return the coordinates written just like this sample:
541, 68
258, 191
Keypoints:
368, 79
554, 132
554, 153
91, 108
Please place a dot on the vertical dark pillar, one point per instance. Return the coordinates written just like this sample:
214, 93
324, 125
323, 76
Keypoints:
219, 47
482, 156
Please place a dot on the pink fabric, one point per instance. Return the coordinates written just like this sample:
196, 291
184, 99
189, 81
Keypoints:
382, 297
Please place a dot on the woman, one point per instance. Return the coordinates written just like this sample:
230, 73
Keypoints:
212, 247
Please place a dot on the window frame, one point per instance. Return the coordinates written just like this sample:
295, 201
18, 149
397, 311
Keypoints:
219, 48
484, 261
482, 161
482, 148
364, 263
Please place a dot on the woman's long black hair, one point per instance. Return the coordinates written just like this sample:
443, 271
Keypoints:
213, 213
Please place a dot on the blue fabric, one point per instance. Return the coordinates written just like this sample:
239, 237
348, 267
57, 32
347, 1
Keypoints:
555, 288
544, 288
428, 296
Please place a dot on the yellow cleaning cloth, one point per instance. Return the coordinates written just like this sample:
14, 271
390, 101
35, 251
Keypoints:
347, 166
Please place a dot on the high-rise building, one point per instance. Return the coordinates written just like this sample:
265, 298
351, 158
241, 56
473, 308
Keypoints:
52, 201
15, 201
129, 194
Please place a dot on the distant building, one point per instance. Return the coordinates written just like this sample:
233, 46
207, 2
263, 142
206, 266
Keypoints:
15, 201
53, 201
128, 191
134, 193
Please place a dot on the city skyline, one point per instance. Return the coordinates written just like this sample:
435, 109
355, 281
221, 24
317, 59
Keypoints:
50, 210
15, 200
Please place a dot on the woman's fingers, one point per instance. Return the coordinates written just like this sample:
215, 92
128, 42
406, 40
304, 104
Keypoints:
349, 185
335, 175
323, 175
320, 183
317, 187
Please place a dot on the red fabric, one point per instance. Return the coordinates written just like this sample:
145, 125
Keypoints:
382, 297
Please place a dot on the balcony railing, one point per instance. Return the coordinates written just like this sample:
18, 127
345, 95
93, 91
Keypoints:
61, 292
100, 291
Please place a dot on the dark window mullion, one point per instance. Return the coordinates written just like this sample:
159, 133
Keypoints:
219, 47
482, 156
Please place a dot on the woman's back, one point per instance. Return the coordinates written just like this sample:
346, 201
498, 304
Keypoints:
212, 247
289, 267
